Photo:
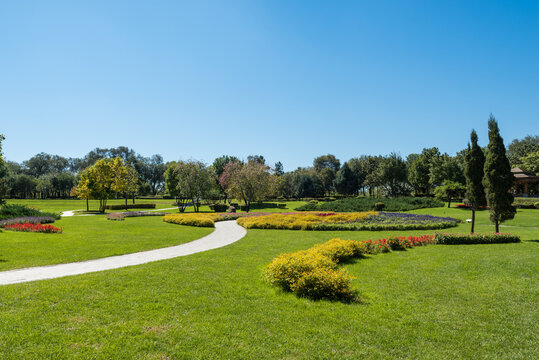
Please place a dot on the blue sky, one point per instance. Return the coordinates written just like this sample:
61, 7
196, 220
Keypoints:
286, 79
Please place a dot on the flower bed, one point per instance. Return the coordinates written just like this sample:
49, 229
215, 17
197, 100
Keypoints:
314, 273
28, 220
27, 227
464, 239
123, 215
369, 220
208, 219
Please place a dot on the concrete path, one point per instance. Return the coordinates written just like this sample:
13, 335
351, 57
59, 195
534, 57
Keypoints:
225, 233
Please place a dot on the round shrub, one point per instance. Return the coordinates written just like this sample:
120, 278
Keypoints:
324, 283
286, 269
379, 206
338, 249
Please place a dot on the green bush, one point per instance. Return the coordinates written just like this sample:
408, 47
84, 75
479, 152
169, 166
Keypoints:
10, 211
368, 203
130, 206
219, 207
465, 239
379, 206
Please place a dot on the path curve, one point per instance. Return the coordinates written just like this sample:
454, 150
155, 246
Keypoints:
225, 233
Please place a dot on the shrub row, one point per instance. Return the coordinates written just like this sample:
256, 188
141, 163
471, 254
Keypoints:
130, 206
314, 273
11, 211
464, 239
371, 203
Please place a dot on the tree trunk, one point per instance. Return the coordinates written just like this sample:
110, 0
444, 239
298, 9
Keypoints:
125, 202
87, 205
497, 226
473, 221
133, 198
449, 202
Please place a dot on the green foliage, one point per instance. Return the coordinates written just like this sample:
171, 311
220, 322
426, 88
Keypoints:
379, 206
474, 173
464, 239
394, 175
522, 148
368, 203
530, 162
322, 283
10, 211
345, 181
3, 173
449, 190
498, 179
192, 181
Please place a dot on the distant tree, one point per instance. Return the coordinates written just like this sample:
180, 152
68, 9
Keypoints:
22, 185
125, 180
474, 173
171, 182
193, 182
286, 185
498, 179
345, 181
151, 171
449, 190
4, 173
521, 148
530, 162
82, 190
256, 159
218, 168
326, 161
305, 186
360, 170
445, 167
419, 168
278, 169
249, 182
394, 175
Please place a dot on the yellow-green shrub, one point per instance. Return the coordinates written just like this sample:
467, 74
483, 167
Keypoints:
303, 221
338, 249
192, 219
324, 283
286, 269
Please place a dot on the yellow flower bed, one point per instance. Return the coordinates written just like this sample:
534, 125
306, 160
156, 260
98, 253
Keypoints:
302, 221
193, 219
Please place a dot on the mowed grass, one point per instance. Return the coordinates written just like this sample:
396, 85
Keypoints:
437, 302
474, 301
91, 237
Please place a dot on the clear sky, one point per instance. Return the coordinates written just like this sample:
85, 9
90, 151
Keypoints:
286, 79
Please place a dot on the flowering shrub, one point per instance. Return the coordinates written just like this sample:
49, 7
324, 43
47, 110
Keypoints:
27, 227
369, 220
324, 283
28, 220
313, 273
461, 239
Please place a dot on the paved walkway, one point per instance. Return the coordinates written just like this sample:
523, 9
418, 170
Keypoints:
225, 233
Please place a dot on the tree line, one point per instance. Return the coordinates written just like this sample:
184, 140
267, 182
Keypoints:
427, 173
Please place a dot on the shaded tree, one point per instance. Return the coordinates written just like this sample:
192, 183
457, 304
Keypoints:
4, 173
345, 181
394, 175
521, 148
449, 190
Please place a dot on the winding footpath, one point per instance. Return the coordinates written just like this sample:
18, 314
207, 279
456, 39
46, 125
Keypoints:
225, 233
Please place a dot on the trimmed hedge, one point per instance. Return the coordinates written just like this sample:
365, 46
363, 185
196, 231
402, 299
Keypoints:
369, 203
466, 239
130, 206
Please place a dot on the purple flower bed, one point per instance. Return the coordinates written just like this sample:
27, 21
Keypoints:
405, 218
28, 220
123, 215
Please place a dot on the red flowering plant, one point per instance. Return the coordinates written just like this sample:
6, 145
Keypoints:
27, 227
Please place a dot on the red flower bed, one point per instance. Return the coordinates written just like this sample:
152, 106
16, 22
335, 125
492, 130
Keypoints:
27, 227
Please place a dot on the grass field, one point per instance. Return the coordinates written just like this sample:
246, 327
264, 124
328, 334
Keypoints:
437, 302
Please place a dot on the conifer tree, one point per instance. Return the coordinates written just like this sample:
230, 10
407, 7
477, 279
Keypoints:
498, 179
345, 181
474, 172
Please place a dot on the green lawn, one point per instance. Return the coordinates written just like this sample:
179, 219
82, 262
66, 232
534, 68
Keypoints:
91, 237
436, 302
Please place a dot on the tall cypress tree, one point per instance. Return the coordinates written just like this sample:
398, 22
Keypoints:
345, 181
474, 172
498, 179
